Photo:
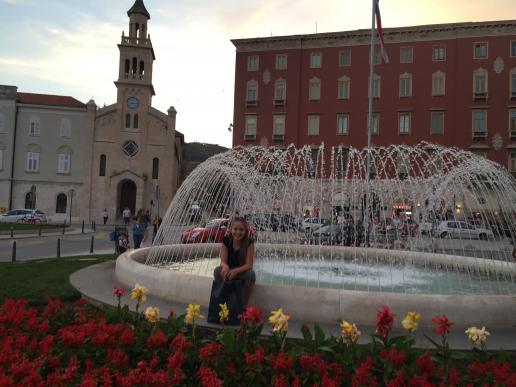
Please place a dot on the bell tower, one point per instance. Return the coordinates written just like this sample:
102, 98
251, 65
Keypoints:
134, 84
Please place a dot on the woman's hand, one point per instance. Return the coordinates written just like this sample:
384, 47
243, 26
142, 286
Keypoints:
224, 272
231, 275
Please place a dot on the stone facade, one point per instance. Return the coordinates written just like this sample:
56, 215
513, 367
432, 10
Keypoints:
127, 154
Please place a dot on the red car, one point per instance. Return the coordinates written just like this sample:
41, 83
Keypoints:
213, 232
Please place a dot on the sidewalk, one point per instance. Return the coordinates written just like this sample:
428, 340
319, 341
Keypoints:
96, 285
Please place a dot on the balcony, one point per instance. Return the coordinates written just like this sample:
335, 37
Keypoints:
480, 96
513, 95
136, 41
253, 103
512, 134
278, 137
134, 76
250, 137
479, 134
279, 102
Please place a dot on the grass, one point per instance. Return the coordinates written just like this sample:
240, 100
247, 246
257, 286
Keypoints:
28, 226
37, 280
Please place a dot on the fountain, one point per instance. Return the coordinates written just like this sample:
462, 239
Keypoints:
342, 232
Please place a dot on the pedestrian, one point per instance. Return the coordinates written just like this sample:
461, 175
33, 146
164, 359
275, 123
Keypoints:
126, 214
138, 233
122, 243
105, 215
155, 226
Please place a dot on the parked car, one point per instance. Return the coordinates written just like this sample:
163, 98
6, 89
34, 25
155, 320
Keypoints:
23, 216
213, 232
331, 234
311, 224
462, 230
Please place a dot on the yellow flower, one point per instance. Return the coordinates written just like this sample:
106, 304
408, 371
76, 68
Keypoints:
193, 312
477, 336
152, 314
410, 321
139, 293
279, 321
349, 332
224, 312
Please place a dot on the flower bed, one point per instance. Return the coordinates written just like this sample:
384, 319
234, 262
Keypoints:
65, 344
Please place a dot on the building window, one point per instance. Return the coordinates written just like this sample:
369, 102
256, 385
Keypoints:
480, 152
313, 125
102, 165
513, 48
314, 89
512, 123
252, 92
130, 148
127, 121
438, 83
2, 123
250, 127
404, 123
375, 124
315, 60
376, 86
342, 124
512, 162
63, 163
480, 83
406, 85
343, 87
402, 164
135, 121
253, 62
34, 128
438, 53
65, 129
155, 168
280, 90
32, 161
281, 62
406, 55
345, 57
30, 200
513, 83
480, 50
61, 203
278, 127
479, 123
437, 123
2, 150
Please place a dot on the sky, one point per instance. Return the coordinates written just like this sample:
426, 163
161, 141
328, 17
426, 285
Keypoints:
68, 47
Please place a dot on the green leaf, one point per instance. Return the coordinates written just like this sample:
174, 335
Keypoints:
307, 334
227, 338
456, 355
438, 346
319, 335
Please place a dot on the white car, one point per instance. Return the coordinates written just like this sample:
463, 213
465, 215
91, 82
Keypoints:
312, 224
462, 230
18, 216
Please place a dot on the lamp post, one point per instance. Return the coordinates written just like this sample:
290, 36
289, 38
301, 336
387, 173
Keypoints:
71, 194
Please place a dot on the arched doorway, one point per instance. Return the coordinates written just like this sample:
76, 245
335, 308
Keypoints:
127, 196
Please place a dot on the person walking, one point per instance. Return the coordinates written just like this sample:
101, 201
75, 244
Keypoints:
126, 214
105, 215
138, 232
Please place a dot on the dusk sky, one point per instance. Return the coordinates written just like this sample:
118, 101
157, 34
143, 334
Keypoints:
69, 47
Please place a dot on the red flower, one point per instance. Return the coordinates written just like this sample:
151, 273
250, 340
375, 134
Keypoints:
296, 382
282, 362
313, 363
398, 380
256, 358
180, 343
453, 377
394, 356
253, 313
159, 340
117, 357
118, 292
443, 325
384, 320
280, 381
127, 337
209, 377
175, 361
231, 369
362, 376
426, 365
209, 352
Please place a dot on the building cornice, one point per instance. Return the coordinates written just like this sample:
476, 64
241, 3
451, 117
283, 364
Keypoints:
32, 107
392, 35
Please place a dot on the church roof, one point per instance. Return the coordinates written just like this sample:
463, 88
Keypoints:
48, 99
139, 7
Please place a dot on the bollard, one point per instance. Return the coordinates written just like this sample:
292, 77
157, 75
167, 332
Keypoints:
92, 242
12, 232
64, 226
82, 230
94, 226
39, 230
58, 247
13, 257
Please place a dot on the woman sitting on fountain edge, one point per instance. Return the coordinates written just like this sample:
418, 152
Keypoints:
236, 257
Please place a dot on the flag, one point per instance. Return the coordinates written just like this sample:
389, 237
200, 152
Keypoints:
380, 31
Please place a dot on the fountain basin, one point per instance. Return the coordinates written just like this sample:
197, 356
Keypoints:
324, 305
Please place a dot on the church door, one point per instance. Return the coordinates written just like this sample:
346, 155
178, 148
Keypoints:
127, 196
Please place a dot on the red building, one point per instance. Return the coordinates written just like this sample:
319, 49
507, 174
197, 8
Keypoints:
451, 84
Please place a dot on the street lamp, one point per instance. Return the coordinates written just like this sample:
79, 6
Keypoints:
71, 193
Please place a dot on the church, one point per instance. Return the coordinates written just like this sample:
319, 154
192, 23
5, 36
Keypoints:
72, 160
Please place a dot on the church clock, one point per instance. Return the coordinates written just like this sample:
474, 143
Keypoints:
133, 103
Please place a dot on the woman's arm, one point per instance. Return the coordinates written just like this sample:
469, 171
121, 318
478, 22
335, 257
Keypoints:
224, 261
249, 258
